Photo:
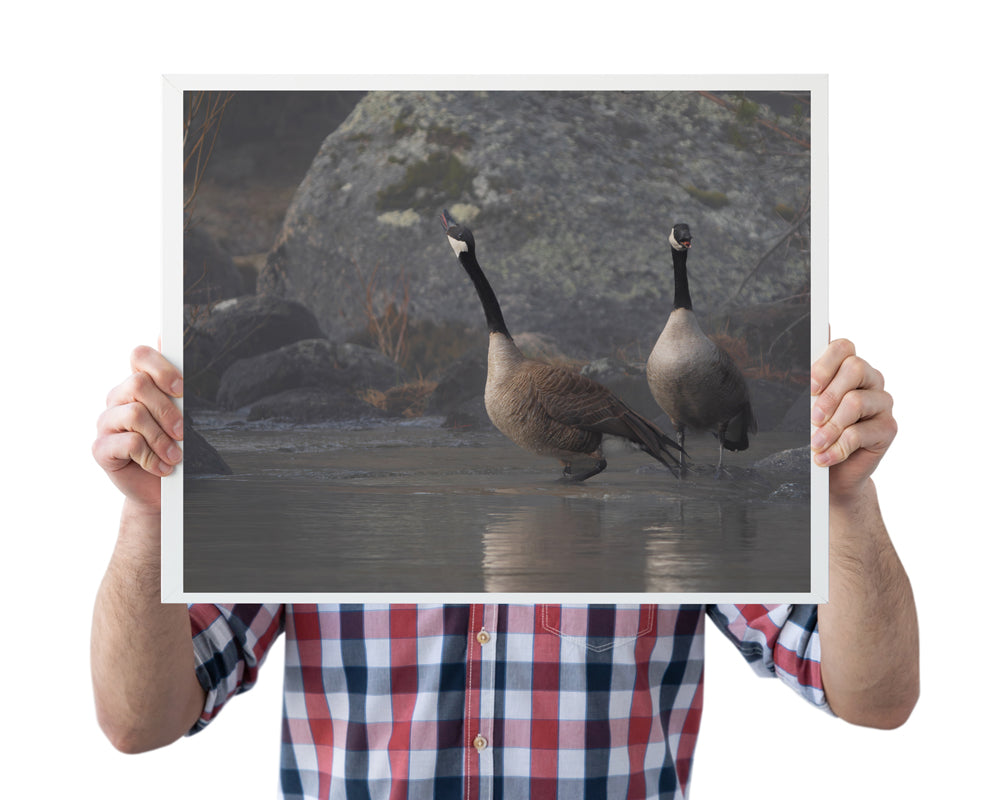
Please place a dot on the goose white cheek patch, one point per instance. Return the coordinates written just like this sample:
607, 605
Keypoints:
458, 246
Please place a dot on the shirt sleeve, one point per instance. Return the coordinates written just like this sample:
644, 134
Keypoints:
230, 644
777, 641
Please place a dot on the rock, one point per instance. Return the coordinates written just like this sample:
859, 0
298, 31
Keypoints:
463, 381
570, 196
306, 364
628, 382
469, 415
200, 458
240, 328
366, 368
796, 418
210, 275
310, 363
771, 401
795, 463
311, 405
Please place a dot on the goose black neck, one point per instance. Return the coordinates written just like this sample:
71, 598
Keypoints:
682, 295
491, 306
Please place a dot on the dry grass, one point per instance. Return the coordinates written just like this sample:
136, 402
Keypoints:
386, 320
406, 400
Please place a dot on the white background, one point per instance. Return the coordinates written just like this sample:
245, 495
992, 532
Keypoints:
913, 180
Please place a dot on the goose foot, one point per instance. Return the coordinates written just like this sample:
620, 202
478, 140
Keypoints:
720, 471
569, 477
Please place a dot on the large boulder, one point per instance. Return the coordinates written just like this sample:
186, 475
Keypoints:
571, 196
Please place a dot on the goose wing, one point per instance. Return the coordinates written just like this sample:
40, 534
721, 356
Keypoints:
578, 401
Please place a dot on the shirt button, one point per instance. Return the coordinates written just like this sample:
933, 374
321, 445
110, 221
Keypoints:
483, 636
479, 743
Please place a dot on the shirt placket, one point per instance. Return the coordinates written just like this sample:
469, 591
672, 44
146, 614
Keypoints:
481, 702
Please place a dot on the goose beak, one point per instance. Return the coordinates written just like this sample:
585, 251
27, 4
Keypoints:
446, 220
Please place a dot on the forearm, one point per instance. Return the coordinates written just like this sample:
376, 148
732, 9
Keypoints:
868, 629
142, 659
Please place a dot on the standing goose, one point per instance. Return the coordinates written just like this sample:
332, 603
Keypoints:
545, 409
697, 383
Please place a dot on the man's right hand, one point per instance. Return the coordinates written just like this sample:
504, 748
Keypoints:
137, 433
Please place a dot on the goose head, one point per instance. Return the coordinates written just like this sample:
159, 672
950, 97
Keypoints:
459, 236
680, 236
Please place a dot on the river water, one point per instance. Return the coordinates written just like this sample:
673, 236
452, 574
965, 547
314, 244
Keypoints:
412, 507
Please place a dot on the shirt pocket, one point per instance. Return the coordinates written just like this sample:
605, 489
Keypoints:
598, 628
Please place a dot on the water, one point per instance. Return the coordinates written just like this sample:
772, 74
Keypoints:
413, 507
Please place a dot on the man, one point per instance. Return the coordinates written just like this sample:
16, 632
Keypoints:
468, 701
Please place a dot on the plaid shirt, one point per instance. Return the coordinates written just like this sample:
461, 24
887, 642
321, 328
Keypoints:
484, 701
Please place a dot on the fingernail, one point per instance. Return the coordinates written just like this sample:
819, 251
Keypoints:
174, 453
179, 429
817, 416
814, 387
164, 469
824, 458
177, 387
818, 441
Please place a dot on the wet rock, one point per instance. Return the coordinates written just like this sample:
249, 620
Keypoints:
790, 491
791, 463
200, 458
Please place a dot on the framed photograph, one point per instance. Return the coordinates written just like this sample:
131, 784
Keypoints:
457, 338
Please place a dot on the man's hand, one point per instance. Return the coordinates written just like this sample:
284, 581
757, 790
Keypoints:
145, 687
871, 654
853, 418
138, 432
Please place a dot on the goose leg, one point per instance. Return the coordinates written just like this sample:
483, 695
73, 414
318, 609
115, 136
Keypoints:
719, 469
680, 441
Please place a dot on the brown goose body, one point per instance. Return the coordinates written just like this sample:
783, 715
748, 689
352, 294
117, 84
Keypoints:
549, 410
552, 411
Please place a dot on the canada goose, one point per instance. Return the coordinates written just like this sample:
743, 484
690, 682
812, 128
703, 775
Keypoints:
546, 409
697, 383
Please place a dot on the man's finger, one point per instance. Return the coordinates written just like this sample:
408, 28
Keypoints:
856, 406
852, 373
873, 435
116, 451
135, 418
164, 374
141, 388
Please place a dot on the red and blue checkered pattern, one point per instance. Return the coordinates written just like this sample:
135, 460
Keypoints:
492, 701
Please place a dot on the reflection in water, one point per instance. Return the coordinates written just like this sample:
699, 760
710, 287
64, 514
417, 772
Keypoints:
413, 508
